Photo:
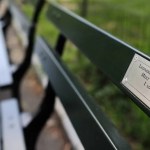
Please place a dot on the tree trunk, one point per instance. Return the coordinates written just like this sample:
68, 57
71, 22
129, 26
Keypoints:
84, 8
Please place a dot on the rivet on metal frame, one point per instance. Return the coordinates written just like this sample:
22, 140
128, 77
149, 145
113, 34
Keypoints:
136, 58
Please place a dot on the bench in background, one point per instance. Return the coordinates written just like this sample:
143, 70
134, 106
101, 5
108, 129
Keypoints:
11, 110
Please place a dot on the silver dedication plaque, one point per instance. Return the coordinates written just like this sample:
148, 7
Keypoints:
137, 78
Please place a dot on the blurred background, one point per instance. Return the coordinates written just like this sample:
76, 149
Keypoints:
127, 20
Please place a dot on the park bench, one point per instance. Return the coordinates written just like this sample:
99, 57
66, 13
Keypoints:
93, 128
12, 129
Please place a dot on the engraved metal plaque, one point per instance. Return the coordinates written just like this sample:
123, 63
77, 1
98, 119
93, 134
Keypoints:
137, 79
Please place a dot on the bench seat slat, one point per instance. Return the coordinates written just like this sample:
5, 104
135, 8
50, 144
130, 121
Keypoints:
5, 71
12, 134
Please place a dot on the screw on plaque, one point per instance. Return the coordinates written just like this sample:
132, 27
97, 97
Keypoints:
125, 80
136, 58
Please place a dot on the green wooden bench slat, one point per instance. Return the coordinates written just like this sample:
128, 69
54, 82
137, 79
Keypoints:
99, 46
110, 54
92, 126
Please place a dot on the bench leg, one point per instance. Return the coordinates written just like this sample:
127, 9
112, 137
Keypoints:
33, 130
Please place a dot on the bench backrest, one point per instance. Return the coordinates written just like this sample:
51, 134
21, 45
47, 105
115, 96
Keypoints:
111, 55
103, 49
